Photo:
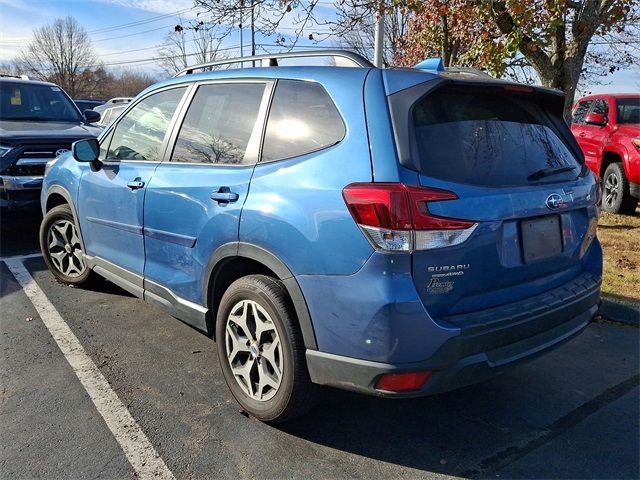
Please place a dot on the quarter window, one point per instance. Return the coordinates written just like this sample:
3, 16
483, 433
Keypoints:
302, 119
140, 133
219, 124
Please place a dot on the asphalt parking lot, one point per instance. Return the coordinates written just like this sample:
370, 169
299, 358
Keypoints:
570, 414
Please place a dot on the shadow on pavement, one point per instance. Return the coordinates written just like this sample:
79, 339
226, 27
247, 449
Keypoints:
621, 309
19, 232
511, 415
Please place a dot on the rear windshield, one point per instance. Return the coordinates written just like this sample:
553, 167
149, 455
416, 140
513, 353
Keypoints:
628, 110
487, 138
23, 101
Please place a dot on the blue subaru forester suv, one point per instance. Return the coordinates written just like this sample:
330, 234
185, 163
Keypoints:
396, 232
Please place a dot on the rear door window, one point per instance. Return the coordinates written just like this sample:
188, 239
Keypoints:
302, 119
628, 110
486, 138
219, 124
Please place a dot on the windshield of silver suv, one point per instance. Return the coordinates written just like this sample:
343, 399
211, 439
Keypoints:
21, 101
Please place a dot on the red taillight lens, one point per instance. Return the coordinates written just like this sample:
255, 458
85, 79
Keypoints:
379, 205
395, 216
422, 219
397, 206
403, 382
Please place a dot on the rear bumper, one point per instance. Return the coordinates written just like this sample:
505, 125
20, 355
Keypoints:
496, 341
634, 189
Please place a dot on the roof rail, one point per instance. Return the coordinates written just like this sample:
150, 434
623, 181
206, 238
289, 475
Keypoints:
8, 75
272, 58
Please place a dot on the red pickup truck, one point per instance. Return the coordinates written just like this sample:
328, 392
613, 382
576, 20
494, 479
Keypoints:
607, 128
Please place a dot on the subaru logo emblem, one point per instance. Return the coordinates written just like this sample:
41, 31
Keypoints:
60, 151
554, 201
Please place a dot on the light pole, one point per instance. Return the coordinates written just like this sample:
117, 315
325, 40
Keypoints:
241, 36
379, 37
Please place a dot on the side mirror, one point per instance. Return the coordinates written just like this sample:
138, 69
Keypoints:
86, 150
596, 119
91, 116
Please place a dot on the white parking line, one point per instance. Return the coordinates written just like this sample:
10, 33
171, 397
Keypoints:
136, 446
21, 257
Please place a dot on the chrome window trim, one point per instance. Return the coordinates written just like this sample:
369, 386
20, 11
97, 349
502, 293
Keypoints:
252, 154
108, 133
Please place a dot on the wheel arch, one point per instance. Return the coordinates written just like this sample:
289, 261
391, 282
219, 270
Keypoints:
235, 260
58, 195
609, 157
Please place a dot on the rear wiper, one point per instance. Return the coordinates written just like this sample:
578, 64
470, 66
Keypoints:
547, 172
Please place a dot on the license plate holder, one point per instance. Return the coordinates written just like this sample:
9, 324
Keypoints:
541, 238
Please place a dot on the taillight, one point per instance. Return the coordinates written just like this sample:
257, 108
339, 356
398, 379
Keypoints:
395, 217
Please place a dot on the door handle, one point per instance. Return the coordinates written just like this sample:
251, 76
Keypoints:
135, 184
224, 195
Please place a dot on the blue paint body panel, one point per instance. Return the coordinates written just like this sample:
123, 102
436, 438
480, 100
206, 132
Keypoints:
111, 214
374, 314
186, 225
363, 303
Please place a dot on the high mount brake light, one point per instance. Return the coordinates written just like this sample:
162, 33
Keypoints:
395, 216
518, 88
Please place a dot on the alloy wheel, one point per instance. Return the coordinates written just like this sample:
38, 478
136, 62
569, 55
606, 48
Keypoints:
64, 248
611, 190
253, 350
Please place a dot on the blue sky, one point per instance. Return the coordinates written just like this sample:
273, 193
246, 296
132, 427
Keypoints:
113, 30
116, 27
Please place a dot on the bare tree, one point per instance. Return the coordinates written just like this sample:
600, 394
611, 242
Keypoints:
60, 52
189, 46
555, 42
129, 83
260, 16
10, 68
568, 40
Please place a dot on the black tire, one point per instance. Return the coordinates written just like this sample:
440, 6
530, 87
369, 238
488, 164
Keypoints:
616, 196
295, 394
68, 266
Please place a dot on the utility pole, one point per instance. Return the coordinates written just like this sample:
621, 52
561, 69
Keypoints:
253, 28
240, 25
253, 32
379, 37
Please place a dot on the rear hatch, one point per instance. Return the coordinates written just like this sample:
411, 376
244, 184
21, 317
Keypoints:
515, 174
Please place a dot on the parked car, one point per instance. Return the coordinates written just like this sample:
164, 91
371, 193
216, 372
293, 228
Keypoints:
38, 122
607, 128
395, 232
110, 114
88, 104
112, 102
